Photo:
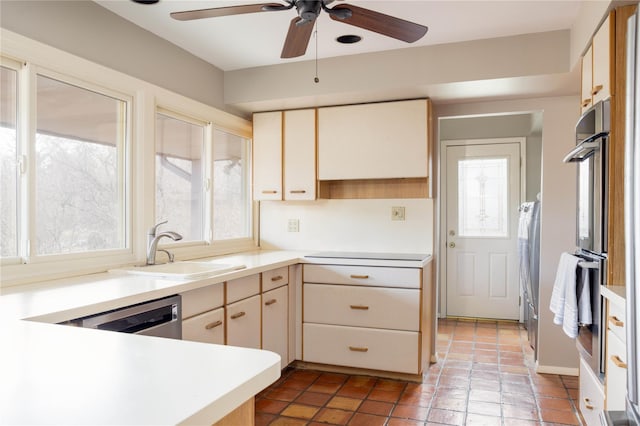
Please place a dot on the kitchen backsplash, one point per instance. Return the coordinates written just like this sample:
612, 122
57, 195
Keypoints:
348, 225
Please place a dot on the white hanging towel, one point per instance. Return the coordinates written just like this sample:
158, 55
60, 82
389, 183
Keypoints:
564, 300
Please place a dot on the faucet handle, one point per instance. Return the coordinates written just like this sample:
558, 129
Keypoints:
152, 231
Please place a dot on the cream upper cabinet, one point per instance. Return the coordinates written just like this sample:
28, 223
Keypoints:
267, 156
300, 154
602, 51
373, 141
587, 78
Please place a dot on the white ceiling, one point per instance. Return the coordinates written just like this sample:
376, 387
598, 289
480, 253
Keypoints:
252, 40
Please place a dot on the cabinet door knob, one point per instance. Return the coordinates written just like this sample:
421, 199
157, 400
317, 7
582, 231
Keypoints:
359, 277
587, 404
213, 325
615, 321
618, 362
277, 278
596, 89
360, 307
270, 302
358, 349
238, 315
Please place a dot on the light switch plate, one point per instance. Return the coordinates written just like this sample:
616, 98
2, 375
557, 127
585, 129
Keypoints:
397, 213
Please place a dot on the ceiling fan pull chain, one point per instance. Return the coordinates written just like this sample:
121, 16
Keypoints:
316, 79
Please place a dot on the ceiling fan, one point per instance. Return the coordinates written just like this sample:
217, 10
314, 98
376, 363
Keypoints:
301, 27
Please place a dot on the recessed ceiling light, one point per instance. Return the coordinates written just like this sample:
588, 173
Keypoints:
348, 39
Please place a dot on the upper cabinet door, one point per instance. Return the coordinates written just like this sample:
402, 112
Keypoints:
300, 154
587, 80
267, 156
373, 141
602, 50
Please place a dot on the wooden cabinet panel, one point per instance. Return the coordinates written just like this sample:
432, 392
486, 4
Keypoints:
206, 328
591, 395
603, 60
203, 299
267, 156
300, 154
373, 141
586, 98
374, 307
616, 382
275, 278
363, 275
388, 350
243, 323
244, 287
275, 320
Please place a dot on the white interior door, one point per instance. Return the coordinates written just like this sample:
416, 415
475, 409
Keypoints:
482, 198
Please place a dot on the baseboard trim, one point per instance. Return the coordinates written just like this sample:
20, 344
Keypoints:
550, 369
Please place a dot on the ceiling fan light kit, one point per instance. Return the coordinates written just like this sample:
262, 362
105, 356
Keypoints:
301, 27
349, 39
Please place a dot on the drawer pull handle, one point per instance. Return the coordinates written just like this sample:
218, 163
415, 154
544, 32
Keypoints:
269, 191
213, 325
277, 278
358, 349
298, 191
270, 302
618, 362
615, 321
587, 404
586, 102
360, 277
238, 315
596, 89
360, 307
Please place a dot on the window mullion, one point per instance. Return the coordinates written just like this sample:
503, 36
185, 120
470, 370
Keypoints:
26, 146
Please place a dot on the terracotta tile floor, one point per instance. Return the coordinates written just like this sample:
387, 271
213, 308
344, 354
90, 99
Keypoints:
484, 376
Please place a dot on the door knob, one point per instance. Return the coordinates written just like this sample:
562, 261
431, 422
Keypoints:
452, 245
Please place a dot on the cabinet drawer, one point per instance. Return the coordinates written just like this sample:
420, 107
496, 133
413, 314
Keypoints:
361, 347
201, 300
616, 385
377, 307
275, 278
591, 395
206, 328
362, 275
616, 321
242, 288
243, 323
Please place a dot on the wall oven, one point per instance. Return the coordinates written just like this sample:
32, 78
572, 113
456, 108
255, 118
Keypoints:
591, 157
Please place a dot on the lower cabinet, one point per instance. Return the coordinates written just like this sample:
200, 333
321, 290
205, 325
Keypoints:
243, 323
275, 320
591, 395
206, 328
616, 353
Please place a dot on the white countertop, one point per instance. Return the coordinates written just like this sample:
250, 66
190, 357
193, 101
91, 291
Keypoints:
615, 293
54, 374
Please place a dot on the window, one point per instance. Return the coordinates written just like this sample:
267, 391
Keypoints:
230, 186
8, 162
79, 177
179, 176
482, 197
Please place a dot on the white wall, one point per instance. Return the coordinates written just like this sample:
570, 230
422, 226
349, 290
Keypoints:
349, 225
556, 352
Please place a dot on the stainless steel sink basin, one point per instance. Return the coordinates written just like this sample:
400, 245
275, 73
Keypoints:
186, 270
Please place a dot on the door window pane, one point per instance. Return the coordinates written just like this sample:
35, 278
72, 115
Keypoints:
230, 186
179, 194
8, 162
79, 169
482, 197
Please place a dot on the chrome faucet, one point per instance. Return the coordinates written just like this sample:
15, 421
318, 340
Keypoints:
152, 242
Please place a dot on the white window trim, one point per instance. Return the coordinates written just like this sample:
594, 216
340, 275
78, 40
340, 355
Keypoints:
144, 99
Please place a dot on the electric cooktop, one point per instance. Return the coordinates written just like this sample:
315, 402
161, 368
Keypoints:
365, 255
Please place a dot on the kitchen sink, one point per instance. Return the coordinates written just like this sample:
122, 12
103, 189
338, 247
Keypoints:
186, 270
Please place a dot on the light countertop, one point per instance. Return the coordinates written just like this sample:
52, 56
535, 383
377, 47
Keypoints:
53, 374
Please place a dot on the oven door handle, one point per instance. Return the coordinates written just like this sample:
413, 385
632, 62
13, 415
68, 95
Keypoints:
585, 148
588, 265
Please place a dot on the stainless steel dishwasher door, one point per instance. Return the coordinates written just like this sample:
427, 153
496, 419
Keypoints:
161, 317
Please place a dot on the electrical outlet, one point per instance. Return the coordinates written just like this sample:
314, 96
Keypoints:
397, 213
293, 225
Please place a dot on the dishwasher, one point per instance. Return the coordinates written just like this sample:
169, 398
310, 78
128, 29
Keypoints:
160, 317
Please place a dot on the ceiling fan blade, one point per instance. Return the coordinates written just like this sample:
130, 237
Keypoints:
297, 38
382, 24
189, 15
